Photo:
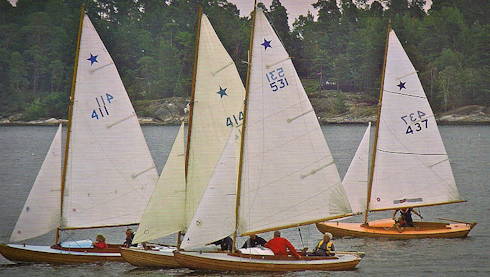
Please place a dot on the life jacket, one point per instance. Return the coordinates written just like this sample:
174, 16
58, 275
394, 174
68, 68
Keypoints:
327, 249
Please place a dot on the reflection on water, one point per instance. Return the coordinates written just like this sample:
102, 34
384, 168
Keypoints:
23, 149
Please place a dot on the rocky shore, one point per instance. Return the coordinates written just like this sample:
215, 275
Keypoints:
173, 111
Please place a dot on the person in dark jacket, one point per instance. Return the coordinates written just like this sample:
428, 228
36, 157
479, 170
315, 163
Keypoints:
325, 246
254, 241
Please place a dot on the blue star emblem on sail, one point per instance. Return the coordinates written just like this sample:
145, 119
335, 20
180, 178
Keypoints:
401, 85
93, 59
222, 92
266, 44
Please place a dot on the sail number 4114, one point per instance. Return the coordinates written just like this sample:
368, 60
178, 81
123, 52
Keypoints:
415, 122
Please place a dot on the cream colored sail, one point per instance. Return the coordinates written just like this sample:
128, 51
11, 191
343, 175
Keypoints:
288, 173
215, 216
356, 179
218, 103
110, 173
169, 195
411, 164
41, 212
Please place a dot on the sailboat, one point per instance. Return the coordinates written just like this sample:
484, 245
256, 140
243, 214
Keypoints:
286, 173
107, 176
409, 167
216, 109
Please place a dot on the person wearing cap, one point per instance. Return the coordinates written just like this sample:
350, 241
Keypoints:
325, 246
280, 246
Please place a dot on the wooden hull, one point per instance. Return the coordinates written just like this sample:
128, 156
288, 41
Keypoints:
47, 254
385, 229
260, 263
149, 258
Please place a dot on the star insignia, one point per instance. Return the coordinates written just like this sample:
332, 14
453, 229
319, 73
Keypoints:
222, 92
266, 44
92, 59
401, 85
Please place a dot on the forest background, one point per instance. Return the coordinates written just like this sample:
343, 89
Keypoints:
153, 45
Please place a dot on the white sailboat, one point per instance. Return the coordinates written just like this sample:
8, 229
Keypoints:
108, 174
287, 176
216, 108
410, 167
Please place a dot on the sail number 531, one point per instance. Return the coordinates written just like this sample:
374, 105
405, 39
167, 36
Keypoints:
277, 79
415, 122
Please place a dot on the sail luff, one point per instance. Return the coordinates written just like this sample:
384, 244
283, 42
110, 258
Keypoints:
70, 114
371, 174
240, 157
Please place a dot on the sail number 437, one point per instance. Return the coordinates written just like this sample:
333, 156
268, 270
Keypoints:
415, 122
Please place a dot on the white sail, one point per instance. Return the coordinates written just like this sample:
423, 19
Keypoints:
218, 103
169, 195
411, 165
110, 173
288, 173
41, 212
215, 215
356, 179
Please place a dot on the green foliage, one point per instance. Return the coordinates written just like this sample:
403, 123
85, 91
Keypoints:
153, 45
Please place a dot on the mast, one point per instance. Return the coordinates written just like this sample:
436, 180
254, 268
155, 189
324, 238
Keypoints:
371, 174
240, 165
70, 114
191, 104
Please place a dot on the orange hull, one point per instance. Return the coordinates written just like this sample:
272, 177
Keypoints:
149, 258
385, 229
259, 263
46, 254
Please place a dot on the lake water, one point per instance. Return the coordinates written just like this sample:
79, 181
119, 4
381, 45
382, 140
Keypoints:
23, 149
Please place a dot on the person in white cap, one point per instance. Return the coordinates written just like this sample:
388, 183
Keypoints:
325, 247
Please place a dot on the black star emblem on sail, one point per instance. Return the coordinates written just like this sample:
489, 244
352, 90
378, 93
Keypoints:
92, 59
222, 92
401, 85
266, 44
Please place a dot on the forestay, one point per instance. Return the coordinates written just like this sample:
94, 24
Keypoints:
110, 173
288, 173
411, 164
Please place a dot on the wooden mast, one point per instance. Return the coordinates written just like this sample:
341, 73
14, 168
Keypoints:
240, 165
371, 174
70, 114
191, 105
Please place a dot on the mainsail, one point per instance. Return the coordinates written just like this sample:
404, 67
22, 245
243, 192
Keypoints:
41, 212
110, 173
288, 173
411, 164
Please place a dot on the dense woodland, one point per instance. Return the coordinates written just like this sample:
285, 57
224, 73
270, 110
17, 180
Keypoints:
153, 43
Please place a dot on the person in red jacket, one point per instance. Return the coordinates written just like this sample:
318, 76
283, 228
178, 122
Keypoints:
100, 242
280, 245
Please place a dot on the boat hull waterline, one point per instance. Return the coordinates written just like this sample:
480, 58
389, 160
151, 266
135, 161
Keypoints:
150, 258
47, 254
265, 263
385, 228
